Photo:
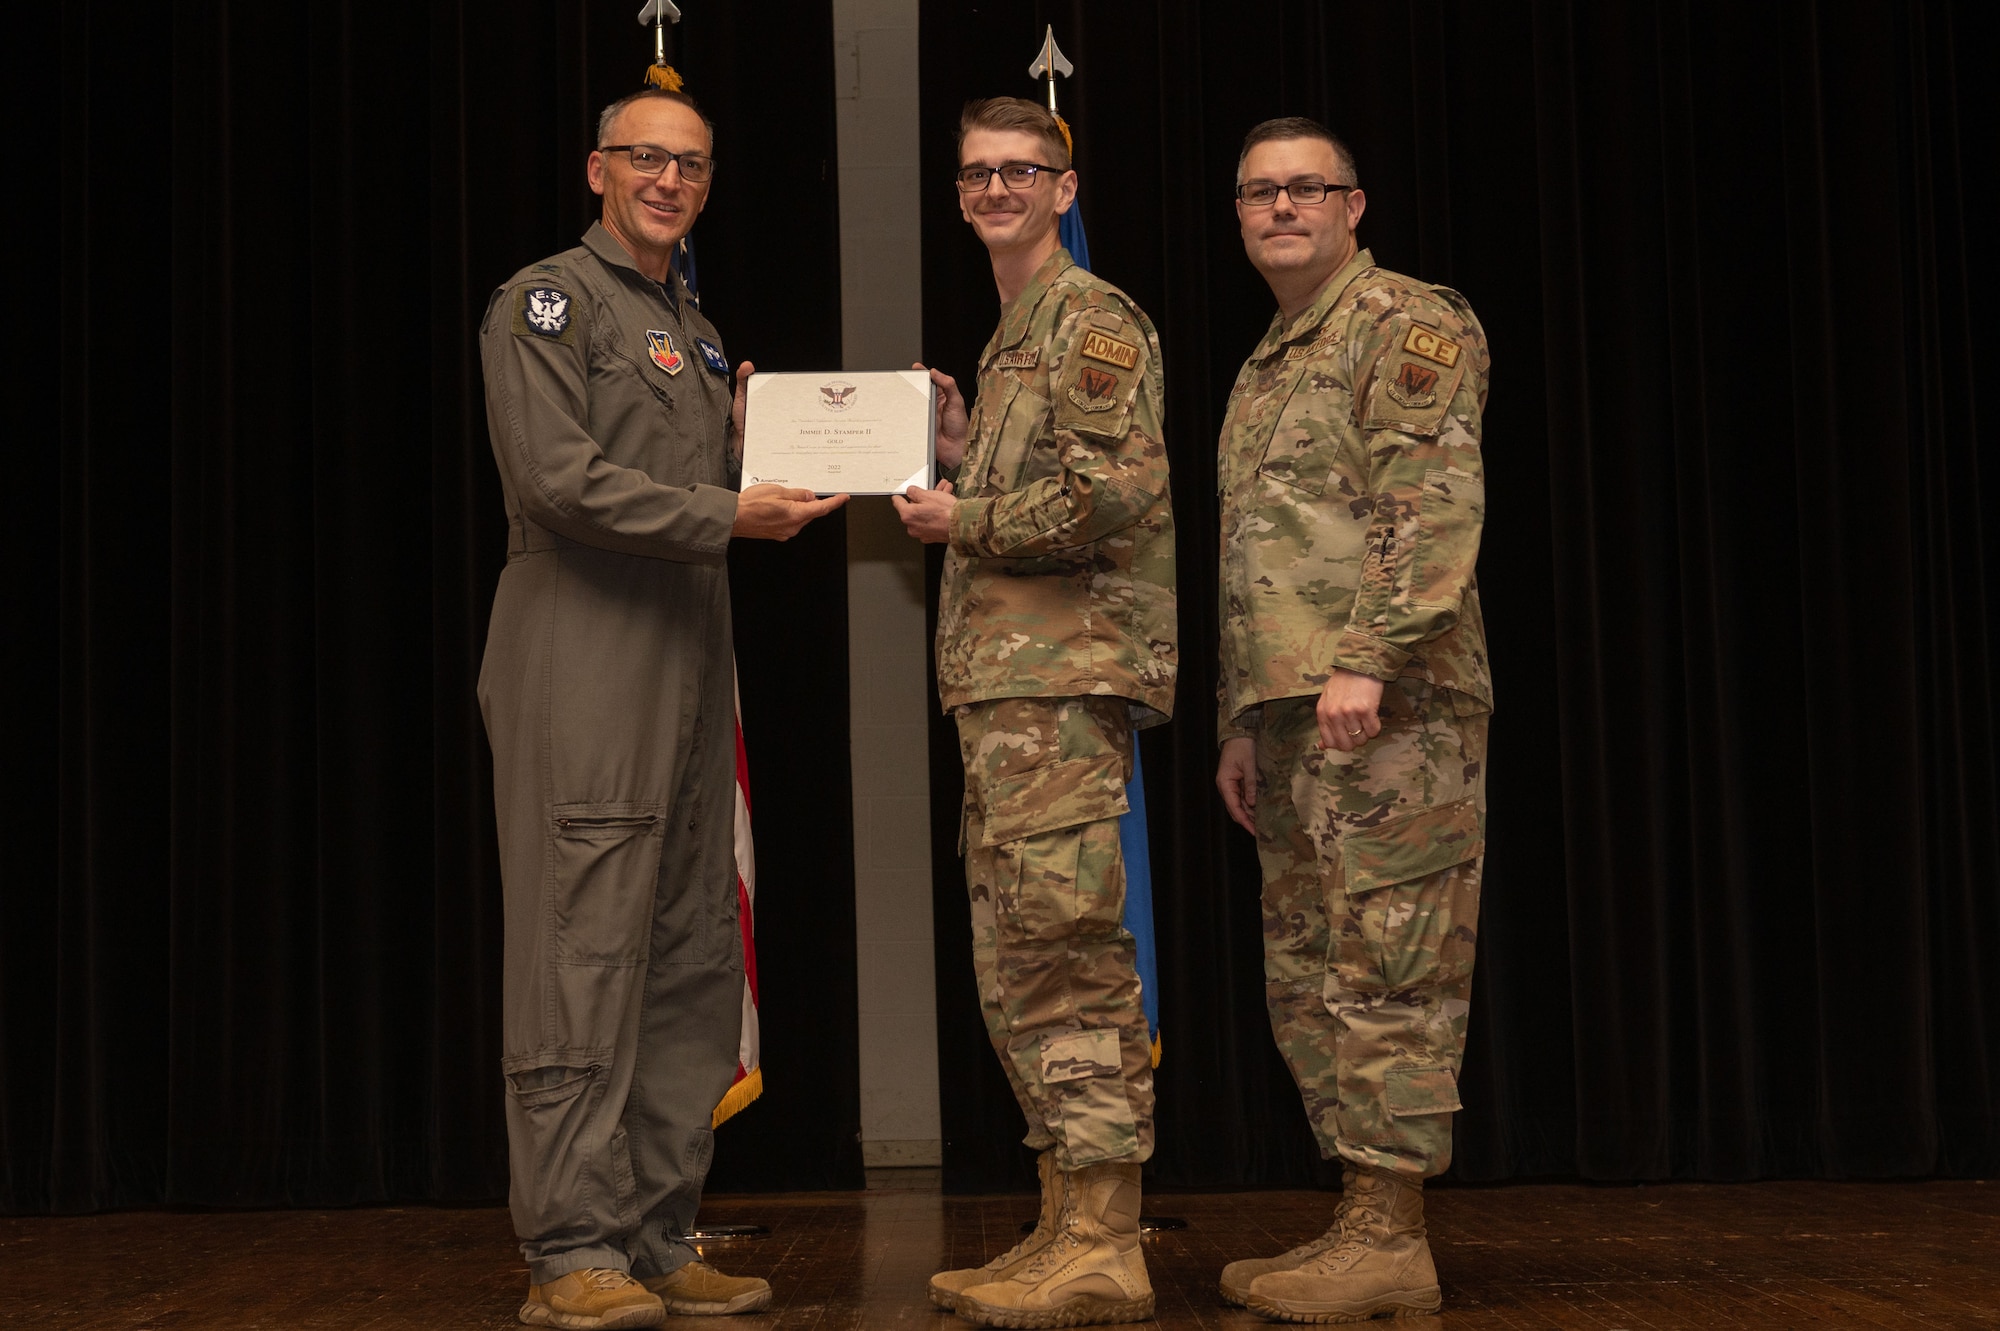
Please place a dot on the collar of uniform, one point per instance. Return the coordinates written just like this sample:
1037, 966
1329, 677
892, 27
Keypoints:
1014, 326
608, 248
1302, 327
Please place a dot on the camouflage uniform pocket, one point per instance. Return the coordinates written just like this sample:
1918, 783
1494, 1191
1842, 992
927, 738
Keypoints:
1047, 799
1411, 847
1311, 429
1035, 765
1413, 1091
1412, 889
1449, 518
1022, 430
1084, 1076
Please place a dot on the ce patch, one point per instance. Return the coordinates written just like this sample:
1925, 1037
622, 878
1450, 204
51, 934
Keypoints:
545, 312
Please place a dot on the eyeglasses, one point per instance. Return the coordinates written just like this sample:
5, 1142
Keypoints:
1014, 175
1264, 193
649, 160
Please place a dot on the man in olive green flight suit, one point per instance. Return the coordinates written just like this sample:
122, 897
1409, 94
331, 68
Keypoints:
1355, 695
607, 690
1056, 639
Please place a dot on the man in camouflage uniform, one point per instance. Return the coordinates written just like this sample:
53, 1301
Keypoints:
1056, 639
1355, 696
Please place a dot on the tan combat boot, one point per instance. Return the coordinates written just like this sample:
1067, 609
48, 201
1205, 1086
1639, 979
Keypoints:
1381, 1267
1236, 1276
593, 1298
946, 1286
699, 1290
1093, 1272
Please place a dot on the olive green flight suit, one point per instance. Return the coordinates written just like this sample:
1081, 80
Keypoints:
608, 695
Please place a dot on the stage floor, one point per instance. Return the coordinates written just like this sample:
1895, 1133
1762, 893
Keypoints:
1766, 1255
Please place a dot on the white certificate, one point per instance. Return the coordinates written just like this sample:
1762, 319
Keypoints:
870, 433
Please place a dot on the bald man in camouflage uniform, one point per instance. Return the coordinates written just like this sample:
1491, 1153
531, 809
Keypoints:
1355, 695
1056, 639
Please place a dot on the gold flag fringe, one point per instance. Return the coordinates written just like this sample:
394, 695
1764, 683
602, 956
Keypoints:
1068, 142
663, 76
743, 1092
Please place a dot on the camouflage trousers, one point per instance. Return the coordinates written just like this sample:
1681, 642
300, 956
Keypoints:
1044, 788
1371, 864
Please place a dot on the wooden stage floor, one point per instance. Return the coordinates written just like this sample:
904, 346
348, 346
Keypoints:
1766, 1255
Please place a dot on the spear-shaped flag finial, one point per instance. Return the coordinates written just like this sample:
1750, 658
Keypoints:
659, 13
1049, 62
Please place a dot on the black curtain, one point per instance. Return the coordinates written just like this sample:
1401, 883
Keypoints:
1739, 573
252, 934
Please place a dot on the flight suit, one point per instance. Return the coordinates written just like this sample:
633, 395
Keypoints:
608, 696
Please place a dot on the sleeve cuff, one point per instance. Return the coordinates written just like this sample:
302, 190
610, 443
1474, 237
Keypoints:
1369, 656
967, 517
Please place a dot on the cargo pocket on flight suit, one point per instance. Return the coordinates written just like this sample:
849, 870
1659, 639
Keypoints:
1082, 1072
559, 1170
605, 862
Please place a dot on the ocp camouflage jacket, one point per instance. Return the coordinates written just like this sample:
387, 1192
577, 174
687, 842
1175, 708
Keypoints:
1059, 579
1352, 496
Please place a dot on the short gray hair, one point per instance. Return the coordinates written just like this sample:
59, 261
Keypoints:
1299, 127
610, 113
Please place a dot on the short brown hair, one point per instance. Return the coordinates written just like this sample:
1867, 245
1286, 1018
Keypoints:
1016, 115
610, 113
1299, 127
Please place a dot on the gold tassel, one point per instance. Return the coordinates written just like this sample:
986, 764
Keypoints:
1069, 144
663, 76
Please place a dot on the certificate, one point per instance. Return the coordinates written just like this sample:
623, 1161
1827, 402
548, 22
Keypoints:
849, 433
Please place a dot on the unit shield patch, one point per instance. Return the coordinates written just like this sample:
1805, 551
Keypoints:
545, 310
660, 346
1094, 390
1414, 386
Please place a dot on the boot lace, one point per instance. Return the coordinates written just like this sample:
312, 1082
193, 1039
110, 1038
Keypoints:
1350, 1237
1060, 1247
1037, 1237
606, 1277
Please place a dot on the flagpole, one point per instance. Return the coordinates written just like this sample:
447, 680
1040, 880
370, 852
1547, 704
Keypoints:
1132, 828
749, 1083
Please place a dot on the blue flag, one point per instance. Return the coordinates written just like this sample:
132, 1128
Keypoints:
1132, 827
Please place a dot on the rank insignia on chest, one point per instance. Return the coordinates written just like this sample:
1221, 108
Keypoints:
660, 346
1414, 386
1095, 390
1018, 360
711, 355
545, 311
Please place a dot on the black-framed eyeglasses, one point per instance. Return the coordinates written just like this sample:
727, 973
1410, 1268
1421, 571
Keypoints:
650, 159
1014, 175
1264, 193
